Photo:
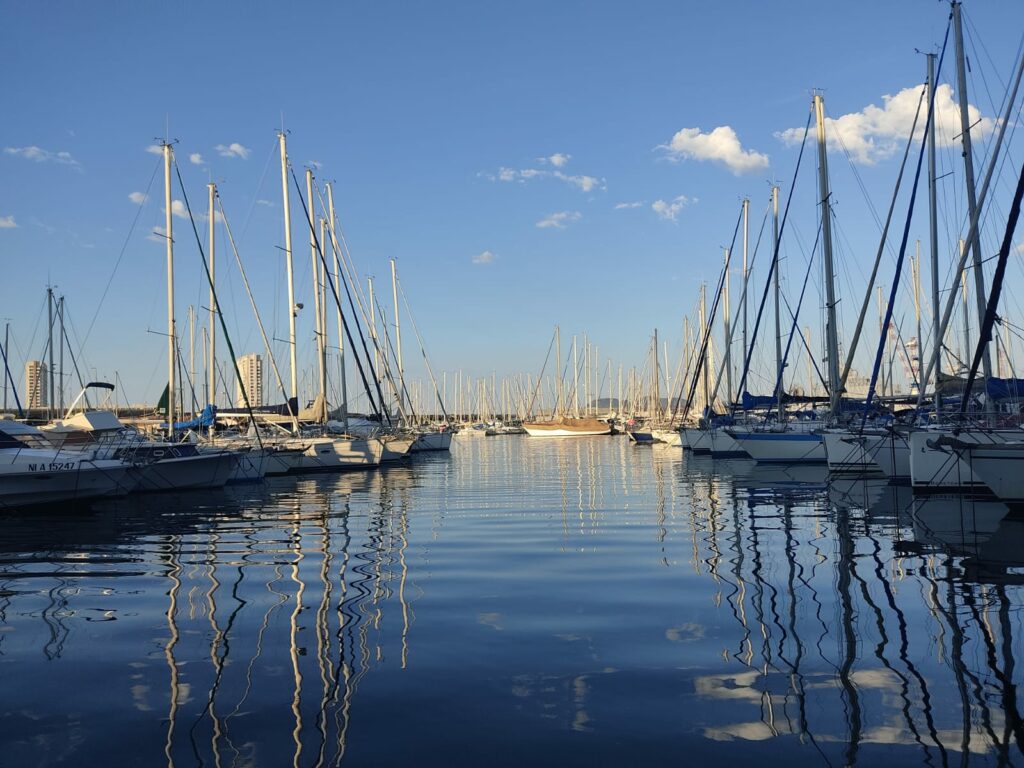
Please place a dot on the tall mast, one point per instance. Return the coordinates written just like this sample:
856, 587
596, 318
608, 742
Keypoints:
575, 379
728, 335
211, 366
832, 332
7, 345
933, 225
746, 269
49, 346
192, 353
704, 335
398, 338
168, 224
341, 321
321, 350
60, 359
558, 358
373, 332
917, 315
972, 201
778, 308
292, 306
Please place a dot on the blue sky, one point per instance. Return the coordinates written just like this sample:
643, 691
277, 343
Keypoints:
527, 164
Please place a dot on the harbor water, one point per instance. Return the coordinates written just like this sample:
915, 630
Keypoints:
520, 601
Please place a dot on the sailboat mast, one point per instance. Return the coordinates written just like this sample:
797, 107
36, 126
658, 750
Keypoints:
321, 350
832, 332
168, 231
656, 389
703, 335
726, 320
49, 346
341, 320
558, 358
746, 269
292, 308
778, 308
917, 315
933, 226
972, 200
211, 367
398, 339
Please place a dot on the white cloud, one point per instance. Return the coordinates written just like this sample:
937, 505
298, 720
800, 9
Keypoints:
316, 165
8, 222
1019, 248
40, 155
559, 220
581, 182
233, 149
178, 209
876, 133
487, 257
261, 201
670, 210
155, 149
721, 145
624, 206
196, 159
138, 197
559, 159
158, 235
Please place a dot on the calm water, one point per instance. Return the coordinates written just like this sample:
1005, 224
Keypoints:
520, 602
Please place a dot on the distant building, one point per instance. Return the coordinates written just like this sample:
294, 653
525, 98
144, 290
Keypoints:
36, 384
251, 368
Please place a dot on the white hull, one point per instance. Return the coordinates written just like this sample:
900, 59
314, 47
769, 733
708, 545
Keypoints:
847, 452
941, 469
781, 447
432, 441
209, 469
668, 436
561, 432
891, 452
395, 447
330, 454
250, 465
724, 445
1001, 469
30, 477
696, 440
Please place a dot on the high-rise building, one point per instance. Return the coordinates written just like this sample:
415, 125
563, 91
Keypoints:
36, 384
251, 368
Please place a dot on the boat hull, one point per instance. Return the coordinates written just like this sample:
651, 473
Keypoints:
181, 473
25, 482
846, 453
781, 447
432, 441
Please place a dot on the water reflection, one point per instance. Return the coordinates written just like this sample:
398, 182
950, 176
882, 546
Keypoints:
602, 603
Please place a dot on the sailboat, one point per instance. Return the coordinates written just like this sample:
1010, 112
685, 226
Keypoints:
786, 441
561, 424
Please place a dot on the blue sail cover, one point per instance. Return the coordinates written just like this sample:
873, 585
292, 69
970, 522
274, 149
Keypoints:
203, 420
1004, 389
757, 401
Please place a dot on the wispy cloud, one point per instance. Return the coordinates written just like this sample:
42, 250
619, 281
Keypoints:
40, 155
669, 210
234, 149
261, 201
876, 133
155, 149
581, 182
559, 159
721, 145
624, 206
316, 165
8, 222
158, 235
138, 197
178, 209
196, 159
487, 257
559, 220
